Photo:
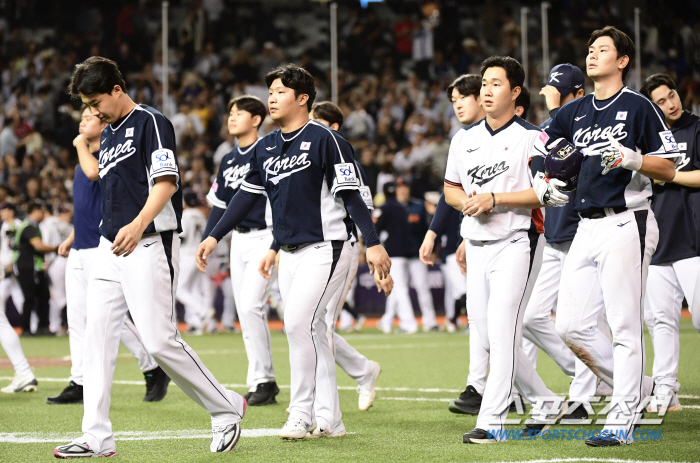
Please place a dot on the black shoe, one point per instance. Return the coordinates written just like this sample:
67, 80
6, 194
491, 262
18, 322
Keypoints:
247, 395
27, 334
477, 436
156, 385
575, 412
44, 332
603, 440
514, 406
533, 429
264, 394
468, 403
72, 394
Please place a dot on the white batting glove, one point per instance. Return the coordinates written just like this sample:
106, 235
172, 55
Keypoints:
616, 155
547, 191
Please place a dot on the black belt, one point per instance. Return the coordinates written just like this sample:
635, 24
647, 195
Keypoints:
294, 247
600, 212
242, 229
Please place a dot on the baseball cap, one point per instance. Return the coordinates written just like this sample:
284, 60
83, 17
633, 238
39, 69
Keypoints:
567, 78
191, 198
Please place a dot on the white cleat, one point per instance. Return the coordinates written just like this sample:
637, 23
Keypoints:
295, 429
320, 432
225, 438
367, 390
664, 401
25, 382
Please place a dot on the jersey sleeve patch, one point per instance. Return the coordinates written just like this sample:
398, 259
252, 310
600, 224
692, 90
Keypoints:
163, 160
366, 194
668, 141
345, 174
544, 137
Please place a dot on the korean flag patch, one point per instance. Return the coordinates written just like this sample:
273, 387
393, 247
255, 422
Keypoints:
163, 160
305, 145
683, 146
668, 141
621, 116
345, 174
130, 132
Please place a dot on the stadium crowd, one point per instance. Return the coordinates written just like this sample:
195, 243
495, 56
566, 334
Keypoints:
396, 60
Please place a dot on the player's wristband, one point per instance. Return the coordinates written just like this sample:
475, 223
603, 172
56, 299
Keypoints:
493, 196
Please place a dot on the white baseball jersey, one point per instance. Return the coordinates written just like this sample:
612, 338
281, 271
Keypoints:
7, 235
478, 159
193, 224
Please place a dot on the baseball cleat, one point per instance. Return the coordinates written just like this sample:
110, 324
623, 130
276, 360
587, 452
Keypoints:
514, 404
156, 385
468, 403
535, 428
264, 394
664, 401
25, 382
603, 440
295, 429
78, 450
225, 438
367, 390
320, 432
477, 436
575, 412
72, 394
359, 323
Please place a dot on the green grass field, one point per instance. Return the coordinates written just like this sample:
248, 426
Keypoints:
408, 422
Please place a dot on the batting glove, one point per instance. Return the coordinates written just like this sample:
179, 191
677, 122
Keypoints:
547, 191
616, 155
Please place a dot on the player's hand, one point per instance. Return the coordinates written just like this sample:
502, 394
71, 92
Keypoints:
80, 139
461, 256
547, 191
205, 248
616, 155
426, 249
127, 238
386, 285
266, 264
64, 248
378, 261
476, 204
552, 97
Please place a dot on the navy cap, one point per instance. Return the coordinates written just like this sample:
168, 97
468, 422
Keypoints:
567, 78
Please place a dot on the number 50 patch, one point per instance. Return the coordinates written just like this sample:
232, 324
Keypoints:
345, 174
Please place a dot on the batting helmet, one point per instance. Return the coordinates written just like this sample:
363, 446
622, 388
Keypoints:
563, 162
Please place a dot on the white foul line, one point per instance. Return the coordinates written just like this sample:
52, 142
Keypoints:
37, 438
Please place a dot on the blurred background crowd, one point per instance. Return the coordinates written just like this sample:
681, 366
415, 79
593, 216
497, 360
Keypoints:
396, 59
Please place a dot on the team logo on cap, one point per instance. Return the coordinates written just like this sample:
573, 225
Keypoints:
553, 77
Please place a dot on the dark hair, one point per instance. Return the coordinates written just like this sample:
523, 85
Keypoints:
523, 100
654, 82
514, 70
34, 205
95, 75
466, 85
294, 77
251, 104
329, 111
622, 42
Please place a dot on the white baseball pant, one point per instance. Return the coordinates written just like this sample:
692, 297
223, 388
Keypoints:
399, 301
419, 280
308, 279
8, 336
606, 269
666, 286
145, 282
500, 279
455, 286
250, 291
80, 264
228, 315
57, 289
192, 290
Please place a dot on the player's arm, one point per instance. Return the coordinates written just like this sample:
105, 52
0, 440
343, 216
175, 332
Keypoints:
216, 198
689, 178
88, 162
64, 248
42, 247
437, 226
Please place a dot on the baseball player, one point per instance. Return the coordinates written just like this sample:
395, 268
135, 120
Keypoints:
565, 84
80, 249
138, 255
250, 242
24, 379
625, 143
675, 266
193, 291
54, 230
357, 366
502, 227
309, 176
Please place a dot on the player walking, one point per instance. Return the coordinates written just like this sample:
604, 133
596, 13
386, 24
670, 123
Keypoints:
309, 175
675, 266
138, 253
502, 228
250, 242
624, 141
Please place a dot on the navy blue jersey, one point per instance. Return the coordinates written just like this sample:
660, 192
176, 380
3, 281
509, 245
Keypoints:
87, 201
391, 222
417, 224
134, 151
632, 120
302, 172
560, 223
677, 208
232, 171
